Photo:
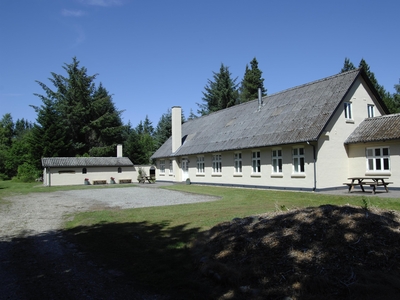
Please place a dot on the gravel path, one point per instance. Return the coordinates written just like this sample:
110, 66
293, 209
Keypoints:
36, 262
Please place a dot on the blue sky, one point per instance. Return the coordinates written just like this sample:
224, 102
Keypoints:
151, 55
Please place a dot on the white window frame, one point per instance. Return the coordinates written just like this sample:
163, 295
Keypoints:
171, 166
217, 163
348, 111
200, 165
371, 110
256, 162
162, 166
298, 154
238, 162
378, 159
277, 161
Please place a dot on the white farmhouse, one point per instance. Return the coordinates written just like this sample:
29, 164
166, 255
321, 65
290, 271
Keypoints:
310, 137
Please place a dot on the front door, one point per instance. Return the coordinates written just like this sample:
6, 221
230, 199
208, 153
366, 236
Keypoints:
185, 171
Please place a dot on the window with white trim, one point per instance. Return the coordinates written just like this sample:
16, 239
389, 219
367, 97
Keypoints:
371, 112
256, 162
162, 166
238, 162
217, 163
277, 161
378, 159
200, 164
171, 166
348, 114
298, 160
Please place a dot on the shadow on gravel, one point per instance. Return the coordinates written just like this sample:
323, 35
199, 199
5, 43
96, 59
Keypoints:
106, 261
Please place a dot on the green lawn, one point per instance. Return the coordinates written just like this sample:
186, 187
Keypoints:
154, 245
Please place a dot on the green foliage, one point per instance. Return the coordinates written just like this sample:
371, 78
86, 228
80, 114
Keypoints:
163, 130
390, 101
139, 142
396, 98
365, 203
27, 173
14, 146
220, 93
347, 66
76, 117
385, 96
252, 80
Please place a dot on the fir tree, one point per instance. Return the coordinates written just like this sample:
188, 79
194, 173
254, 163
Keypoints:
220, 93
347, 66
252, 81
88, 123
385, 96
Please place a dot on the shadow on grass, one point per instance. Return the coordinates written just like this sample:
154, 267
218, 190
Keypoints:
154, 255
105, 261
326, 252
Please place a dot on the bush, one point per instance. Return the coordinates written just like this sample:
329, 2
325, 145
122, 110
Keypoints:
27, 173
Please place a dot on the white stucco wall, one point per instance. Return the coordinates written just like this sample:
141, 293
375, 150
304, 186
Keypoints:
266, 178
333, 162
358, 161
58, 176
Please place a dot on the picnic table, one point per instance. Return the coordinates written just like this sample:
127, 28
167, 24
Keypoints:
150, 179
372, 181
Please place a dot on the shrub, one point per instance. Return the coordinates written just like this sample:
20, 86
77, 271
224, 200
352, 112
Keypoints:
27, 173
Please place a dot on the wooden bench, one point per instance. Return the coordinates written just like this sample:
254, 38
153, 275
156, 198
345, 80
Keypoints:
99, 181
125, 180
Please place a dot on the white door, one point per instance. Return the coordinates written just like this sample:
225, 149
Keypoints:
185, 171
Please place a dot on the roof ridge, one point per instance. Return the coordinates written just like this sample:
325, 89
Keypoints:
316, 81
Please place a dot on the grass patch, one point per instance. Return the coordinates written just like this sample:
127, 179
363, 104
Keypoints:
153, 245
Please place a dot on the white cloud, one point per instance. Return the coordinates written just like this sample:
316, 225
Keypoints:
103, 3
72, 13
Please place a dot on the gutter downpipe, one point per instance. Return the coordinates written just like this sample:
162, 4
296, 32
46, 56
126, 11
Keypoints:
315, 166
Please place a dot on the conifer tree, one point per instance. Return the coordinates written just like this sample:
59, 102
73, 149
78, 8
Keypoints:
347, 66
252, 81
385, 96
87, 121
220, 93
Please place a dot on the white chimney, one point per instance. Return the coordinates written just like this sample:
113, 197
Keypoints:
176, 124
119, 150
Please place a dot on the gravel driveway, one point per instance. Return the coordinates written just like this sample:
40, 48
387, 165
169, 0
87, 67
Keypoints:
36, 262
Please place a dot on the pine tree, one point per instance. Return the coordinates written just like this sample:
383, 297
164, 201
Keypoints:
164, 129
347, 66
385, 96
396, 99
192, 115
88, 124
220, 93
252, 81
